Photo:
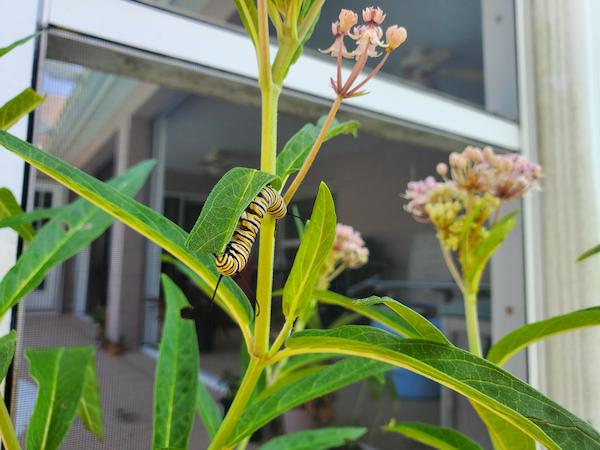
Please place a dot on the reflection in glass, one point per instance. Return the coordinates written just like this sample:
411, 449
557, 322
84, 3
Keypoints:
462, 48
104, 123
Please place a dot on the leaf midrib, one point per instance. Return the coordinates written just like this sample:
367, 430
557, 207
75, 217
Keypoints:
48, 257
398, 358
52, 398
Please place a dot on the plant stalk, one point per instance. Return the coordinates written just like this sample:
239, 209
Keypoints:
242, 397
7, 430
289, 195
472, 320
266, 246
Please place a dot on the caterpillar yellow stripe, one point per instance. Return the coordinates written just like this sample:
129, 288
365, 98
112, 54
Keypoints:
236, 254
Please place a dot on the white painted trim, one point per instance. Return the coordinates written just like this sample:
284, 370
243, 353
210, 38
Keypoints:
534, 296
150, 29
16, 71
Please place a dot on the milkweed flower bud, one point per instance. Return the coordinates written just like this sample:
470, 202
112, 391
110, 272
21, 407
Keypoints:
349, 247
417, 193
348, 19
395, 36
374, 15
442, 170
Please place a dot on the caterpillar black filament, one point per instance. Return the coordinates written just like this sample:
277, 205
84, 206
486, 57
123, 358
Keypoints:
236, 254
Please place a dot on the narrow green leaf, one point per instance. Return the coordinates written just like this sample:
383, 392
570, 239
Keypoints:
142, 219
30, 217
296, 150
19, 106
90, 405
7, 351
176, 380
480, 381
526, 335
209, 411
9, 208
322, 439
504, 435
441, 438
60, 375
5, 50
300, 361
223, 208
589, 253
328, 379
314, 248
64, 236
406, 321
249, 17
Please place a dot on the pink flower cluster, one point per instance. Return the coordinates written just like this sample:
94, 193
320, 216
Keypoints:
349, 247
507, 177
476, 172
417, 194
368, 39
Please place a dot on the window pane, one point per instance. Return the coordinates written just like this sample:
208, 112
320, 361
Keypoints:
104, 122
464, 49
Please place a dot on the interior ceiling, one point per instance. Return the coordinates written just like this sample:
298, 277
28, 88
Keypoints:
205, 131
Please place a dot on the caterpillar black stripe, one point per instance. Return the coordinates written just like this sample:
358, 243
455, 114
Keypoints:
236, 254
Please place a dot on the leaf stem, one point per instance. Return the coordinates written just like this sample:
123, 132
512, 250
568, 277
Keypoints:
242, 397
283, 335
472, 320
7, 430
452, 267
313, 151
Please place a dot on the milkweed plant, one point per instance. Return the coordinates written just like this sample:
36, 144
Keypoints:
297, 363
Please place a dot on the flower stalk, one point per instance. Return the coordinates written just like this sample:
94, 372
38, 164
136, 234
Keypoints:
7, 430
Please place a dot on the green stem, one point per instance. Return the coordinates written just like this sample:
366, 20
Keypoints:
7, 430
242, 397
266, 246
472, 322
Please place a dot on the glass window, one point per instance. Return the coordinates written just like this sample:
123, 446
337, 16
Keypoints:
103, 122
464, 49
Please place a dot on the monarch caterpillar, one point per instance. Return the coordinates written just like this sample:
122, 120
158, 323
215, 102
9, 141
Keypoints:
237, 251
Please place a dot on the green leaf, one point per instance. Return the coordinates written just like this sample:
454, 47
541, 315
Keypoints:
142, 219
486, 248
249, 17
589, 253
294, 153
64, 236
314, 248
7, 351
30, 217
9, 208
20, 106
441, 438
90, 406
176, 380
60, 375
5, 50
406, 321
482, 382
328, 379
300, 361
526, 335
223, 208
504, 435
322, 439
209, 412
